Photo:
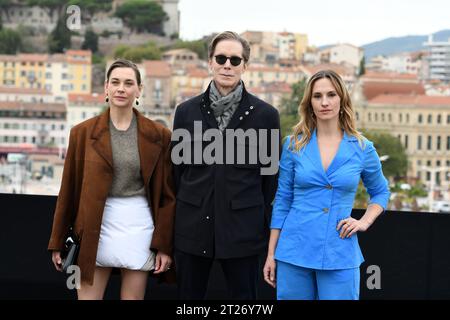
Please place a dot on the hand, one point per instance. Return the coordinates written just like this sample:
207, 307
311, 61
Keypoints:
269, 271
350, 226
56, 259
162, 262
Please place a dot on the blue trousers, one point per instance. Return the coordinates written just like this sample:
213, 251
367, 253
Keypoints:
298, 283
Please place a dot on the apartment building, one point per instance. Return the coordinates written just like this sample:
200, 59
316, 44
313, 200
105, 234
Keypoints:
420, 122
32, 124
438, 59
59, 74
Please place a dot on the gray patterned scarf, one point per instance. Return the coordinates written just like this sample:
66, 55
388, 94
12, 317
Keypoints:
224, 107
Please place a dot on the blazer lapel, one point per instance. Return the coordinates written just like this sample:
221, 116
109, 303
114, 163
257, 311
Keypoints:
149, 144
344, 153
102, 138
312, 152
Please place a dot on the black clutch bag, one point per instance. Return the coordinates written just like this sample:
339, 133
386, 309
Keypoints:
70, 252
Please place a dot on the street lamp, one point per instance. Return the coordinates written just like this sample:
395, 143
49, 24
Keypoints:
432, 183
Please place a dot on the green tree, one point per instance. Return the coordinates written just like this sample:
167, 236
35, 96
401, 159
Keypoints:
137, 54
90, 41
387, 145
10, 41
60, 38
93, 6
362, 66
289, 108
142, 15
200, 47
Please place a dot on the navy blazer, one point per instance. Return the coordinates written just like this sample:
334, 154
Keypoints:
310, 202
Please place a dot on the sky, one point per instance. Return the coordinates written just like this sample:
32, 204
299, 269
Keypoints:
324, 21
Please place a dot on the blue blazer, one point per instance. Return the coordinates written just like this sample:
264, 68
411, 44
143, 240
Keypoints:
310, 202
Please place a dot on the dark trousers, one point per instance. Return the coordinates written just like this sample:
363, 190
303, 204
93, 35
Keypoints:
241, 275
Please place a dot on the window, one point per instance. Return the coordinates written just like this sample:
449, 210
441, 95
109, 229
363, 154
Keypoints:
406, 141
438, 143
400, 118
429, 118
429, 141
369, 115
376, 117
390, 117
438, 120
448, 119
382, 117
407, 118
357, 116
420, 118
448, 143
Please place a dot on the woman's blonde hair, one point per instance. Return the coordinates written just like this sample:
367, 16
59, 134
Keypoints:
308, 122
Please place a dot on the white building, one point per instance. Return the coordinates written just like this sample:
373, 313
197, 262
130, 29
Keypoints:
343, 53
438, 60
32, 124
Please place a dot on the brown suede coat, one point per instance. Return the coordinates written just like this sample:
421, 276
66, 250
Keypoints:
87, 179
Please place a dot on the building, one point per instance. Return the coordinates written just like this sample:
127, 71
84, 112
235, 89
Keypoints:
273, 92
157, 84
377, 83
81, 107
59, 74
420, 122
257, 74
32, 124
270, 47
44, 21
26, 95
180, 58
406, 62
438, 59
343, 53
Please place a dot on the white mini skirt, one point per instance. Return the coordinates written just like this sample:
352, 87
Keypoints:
126, 234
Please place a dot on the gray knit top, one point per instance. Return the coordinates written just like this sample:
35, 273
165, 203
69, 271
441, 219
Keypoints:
127, 178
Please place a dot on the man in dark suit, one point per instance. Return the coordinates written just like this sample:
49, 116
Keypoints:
225, 169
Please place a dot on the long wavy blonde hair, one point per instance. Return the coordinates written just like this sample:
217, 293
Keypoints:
308, 121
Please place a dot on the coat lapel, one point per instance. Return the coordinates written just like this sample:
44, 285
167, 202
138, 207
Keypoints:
206, 110
149, 144
243, 111
344, 153
102, 138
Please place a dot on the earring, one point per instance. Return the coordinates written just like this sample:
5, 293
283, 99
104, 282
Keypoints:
106, 99
137, 102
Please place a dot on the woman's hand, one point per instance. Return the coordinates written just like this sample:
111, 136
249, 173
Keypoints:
162, 262
269, 271
350, 226
56, 259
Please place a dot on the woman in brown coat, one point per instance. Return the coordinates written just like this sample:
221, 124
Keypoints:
117, 191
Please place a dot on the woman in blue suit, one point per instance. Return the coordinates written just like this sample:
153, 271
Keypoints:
313, 249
